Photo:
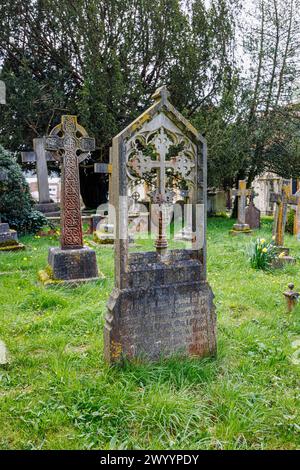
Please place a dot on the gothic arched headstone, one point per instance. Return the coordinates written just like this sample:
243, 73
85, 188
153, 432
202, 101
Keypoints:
162, 303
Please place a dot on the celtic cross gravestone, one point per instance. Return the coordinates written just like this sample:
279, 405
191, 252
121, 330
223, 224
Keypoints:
162, 303
70, 145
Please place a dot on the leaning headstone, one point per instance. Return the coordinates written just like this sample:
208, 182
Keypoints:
162, 303
8, 237
242, 192
282, 200
40, 156
252, 214
296, 230
72, 262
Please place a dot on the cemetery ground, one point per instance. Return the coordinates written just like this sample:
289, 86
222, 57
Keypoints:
57, 392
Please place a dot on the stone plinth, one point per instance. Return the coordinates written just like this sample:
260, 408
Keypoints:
186, 235
239, 229
171, 312
280, 261
282, 249
105, 235
96, 219
9, 239
73, 265
50, 209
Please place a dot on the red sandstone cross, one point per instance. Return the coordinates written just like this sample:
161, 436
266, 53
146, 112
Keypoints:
71, 145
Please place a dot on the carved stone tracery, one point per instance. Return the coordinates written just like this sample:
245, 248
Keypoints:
163, 158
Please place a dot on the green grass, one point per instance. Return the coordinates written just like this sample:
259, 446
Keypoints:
58, 393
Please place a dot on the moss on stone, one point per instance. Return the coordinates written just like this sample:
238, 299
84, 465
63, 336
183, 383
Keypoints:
11, 246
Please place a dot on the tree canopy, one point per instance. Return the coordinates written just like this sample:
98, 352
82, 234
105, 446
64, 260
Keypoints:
102, 60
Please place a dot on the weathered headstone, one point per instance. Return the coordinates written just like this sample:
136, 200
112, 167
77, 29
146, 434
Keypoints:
134, 207
252, 214
105, 230
296, 230
162, 303
282, 200
8, 237
216, 201
70, 145
40, 156
242, 192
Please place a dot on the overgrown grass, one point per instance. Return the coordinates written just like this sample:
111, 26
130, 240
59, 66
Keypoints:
58, 393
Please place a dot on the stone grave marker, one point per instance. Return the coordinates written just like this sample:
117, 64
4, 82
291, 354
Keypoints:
242, 192
72, 262
282, 200
40, 156
296, 230
104, 233
162, 303
252, 214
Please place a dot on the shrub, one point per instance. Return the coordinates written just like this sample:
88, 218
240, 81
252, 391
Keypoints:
262, 253
16, 203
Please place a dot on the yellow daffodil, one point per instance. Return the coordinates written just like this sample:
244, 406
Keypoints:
282, 254
264, 250
262, 240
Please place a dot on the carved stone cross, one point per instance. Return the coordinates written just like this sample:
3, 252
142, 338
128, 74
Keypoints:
242, 192
143, 165
282, 200
40, 157
71, 145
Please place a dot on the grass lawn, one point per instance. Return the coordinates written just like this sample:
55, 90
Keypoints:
57, 393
